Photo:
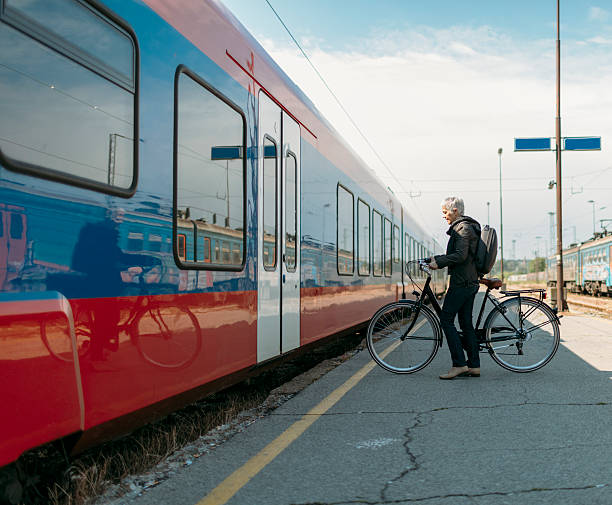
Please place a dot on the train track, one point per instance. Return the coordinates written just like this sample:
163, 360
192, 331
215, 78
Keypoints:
588, 302
592, 303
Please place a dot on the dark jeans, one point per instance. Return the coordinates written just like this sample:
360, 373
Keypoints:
459, 302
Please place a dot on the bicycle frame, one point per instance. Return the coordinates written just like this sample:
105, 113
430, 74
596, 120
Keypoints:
428, 294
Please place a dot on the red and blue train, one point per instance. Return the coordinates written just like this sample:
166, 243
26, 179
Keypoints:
174, 213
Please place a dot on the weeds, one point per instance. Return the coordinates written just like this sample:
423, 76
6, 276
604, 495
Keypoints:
56, 480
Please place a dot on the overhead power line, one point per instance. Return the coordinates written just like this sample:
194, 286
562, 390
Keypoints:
337, 99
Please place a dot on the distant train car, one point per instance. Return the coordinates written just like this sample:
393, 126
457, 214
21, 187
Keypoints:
174, 211
595, 266
586, 267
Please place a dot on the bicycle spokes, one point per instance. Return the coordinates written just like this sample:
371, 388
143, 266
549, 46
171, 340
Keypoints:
402, 338
522, 334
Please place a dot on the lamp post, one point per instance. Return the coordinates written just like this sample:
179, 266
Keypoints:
501, 218
551, 233
561, 303
488, 215
592, 202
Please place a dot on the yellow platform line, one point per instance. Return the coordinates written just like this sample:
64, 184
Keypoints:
232, 484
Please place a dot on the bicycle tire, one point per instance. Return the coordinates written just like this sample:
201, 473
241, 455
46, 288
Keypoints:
171, 342
413, 352
527, 351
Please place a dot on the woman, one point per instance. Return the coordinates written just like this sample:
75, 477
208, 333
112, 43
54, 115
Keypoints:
459, 301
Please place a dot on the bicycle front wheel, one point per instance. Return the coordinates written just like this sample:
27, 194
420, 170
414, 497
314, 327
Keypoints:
403, 337
522, 334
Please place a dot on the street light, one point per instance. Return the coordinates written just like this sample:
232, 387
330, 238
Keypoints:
593, 203
501, 219
538, 238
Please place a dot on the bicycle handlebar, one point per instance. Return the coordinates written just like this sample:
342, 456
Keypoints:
423, 264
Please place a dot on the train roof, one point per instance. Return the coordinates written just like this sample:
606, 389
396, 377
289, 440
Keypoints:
587, 244
245, 59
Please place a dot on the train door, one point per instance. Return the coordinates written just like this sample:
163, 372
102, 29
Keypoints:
16, 221
12, 242
290, 236
278, 241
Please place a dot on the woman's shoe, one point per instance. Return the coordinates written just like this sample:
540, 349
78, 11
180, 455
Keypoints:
473, 372
456, 371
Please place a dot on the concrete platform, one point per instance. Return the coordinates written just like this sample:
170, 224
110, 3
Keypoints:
504, 438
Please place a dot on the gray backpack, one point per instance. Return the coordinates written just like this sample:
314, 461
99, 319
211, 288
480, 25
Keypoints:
486, 250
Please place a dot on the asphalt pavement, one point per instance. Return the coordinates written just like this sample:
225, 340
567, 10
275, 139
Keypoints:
505, 438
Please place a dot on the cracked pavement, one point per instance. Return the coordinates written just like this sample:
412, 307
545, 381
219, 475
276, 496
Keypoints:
505, 438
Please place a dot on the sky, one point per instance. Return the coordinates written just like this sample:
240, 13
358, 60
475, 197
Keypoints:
438, 87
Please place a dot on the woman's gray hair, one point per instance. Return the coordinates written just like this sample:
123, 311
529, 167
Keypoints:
452, 202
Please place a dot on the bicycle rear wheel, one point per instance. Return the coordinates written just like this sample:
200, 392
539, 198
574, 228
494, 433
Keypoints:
523, 336
403, 338
167, 336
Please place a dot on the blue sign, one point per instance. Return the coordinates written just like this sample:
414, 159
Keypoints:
226, 152
532, 144
582, 143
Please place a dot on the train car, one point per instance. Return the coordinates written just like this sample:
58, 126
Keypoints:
175, 213
595, 268
571, 270
586, 267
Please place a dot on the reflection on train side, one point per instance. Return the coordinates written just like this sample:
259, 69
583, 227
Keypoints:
212, 244
13, 245
164, 335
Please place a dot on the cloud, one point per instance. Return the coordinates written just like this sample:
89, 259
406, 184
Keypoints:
437, 104
598, 14
599, 40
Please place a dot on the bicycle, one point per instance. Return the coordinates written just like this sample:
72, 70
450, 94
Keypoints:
521, 333
165, 335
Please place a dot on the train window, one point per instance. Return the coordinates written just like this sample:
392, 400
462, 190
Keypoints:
206, 250
135, 241
387, 247
209, 170
181, 246
363, 237
377, 242
155, 242
16, 229
225, 249
71, 73
345, 231
217, 257
235, 251
290, 211
203, 249
396, 244
270, 198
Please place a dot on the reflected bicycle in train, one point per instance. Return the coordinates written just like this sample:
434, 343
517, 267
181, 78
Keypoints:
521, 333
167, 336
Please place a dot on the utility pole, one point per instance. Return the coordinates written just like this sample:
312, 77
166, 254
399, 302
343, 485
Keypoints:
561, 303
501, 218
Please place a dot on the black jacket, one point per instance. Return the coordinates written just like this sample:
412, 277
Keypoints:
461, 251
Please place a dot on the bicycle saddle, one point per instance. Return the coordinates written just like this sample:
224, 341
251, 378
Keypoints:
491, 283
